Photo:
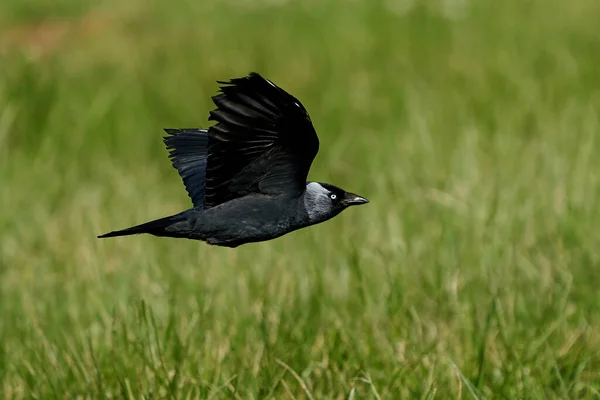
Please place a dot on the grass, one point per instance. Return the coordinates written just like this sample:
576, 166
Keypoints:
473, 273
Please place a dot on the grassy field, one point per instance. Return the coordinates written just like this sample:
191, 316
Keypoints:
472, 126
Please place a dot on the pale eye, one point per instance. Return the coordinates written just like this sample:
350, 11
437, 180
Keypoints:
333, 197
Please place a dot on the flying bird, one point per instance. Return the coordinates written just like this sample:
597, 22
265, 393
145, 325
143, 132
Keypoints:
247, 174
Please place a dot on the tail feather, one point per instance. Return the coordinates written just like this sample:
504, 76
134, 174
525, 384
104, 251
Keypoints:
157, 227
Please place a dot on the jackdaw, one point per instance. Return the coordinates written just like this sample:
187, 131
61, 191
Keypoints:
247, 174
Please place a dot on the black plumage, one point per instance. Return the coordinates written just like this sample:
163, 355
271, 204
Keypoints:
188, 151
264, 141
246, 175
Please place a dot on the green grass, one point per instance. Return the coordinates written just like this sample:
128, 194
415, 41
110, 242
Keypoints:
473, 273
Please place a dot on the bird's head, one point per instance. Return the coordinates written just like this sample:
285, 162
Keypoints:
323, 201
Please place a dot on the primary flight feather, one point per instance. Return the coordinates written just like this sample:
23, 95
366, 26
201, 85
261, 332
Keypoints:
247, 174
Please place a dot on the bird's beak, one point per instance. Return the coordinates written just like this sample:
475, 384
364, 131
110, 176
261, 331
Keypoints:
354, 200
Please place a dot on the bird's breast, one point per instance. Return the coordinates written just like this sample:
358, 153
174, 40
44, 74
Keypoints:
248, 221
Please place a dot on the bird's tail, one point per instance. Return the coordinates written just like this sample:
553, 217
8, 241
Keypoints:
157, 227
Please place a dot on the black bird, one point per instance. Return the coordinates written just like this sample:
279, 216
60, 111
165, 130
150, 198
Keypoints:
246, 175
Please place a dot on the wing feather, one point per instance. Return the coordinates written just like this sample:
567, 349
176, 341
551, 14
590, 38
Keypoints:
263, 142
188, 151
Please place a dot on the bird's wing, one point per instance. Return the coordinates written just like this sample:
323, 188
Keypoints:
188, 150
263, 142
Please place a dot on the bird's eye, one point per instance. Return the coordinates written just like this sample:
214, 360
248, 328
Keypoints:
333, 196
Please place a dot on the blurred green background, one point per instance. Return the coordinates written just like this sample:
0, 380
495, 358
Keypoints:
472, 126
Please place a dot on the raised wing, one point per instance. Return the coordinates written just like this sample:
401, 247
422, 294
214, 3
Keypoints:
263, 142
188, 150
